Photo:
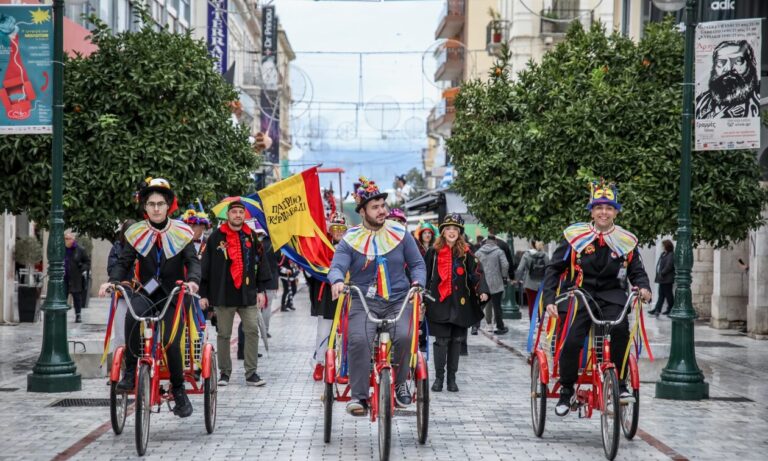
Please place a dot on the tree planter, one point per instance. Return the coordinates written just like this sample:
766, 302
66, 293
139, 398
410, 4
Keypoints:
28, 298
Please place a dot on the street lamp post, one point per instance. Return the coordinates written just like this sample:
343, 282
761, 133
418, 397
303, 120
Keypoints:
682, 379
55, 371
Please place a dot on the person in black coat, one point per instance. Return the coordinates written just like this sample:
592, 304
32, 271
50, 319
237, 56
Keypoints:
235, 277
455, 281
76, 262
165, 254
600, 257
665, 277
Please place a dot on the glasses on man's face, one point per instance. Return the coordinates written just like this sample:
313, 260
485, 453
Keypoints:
156, 205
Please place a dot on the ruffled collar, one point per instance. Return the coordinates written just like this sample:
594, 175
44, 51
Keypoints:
173, 237
375, 243
618, 239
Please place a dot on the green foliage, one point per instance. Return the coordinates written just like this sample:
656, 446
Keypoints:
147, 103
596, 106
28, 251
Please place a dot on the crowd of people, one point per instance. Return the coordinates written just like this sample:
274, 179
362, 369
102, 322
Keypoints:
235, 271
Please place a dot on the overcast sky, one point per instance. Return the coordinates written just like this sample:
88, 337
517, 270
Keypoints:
384, 135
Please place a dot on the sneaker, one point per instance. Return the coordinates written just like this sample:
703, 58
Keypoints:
625, 396
317, 375
501, 331
563, 406
402, 395
255, 380
183, 406
223, 379
78, 319
359, 408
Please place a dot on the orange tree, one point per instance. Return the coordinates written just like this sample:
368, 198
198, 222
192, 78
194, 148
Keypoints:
596, 106
147, 103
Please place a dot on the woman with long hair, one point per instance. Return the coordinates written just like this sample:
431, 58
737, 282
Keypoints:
455, 280
425, 236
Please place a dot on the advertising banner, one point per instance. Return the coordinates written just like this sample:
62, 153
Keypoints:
217, 33
727, 72
26, 69
269, 100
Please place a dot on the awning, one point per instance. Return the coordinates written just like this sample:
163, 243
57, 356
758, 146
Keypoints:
427, 201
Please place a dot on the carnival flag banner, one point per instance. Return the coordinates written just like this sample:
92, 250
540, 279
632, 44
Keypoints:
26, 69
728, 85
294, 218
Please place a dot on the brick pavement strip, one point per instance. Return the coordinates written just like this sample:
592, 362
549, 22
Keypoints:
488, 420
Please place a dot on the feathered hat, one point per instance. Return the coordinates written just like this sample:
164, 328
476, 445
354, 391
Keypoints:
193, 217
602, 192
367, 191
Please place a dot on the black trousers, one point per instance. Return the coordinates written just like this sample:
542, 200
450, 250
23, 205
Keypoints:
142, 305
496, 302
571, 353
77, 298
665, 293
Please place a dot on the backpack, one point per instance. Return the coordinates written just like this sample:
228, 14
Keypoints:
538, 267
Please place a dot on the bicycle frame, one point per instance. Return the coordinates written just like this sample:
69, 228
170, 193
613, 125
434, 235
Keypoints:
598, 359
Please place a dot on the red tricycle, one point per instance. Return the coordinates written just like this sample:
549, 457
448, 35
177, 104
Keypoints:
597, 387
200, 370
382, 371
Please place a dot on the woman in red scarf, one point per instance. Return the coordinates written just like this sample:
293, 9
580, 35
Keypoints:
455, 279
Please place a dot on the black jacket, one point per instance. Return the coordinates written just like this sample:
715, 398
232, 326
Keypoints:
77, 263
274, 268
601, 269
185, 265
665, 268
462, 307
217, 284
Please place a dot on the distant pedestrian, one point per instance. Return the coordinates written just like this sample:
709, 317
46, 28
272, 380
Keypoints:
234, 278
425, 236
289, 273
665, 277
530, 272
76, 263
495, 268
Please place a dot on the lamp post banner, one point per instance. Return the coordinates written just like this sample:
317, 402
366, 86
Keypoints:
26, 69
728, 85
218, 33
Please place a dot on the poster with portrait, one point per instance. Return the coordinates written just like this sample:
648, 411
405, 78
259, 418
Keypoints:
727, 70
26, 69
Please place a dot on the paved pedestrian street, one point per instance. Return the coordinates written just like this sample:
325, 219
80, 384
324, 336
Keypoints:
489, 419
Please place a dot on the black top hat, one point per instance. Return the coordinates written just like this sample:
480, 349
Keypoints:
453, 219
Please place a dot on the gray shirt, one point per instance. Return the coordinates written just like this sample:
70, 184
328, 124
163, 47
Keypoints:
405, 254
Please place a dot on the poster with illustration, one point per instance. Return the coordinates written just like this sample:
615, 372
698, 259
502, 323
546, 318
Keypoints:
728, 85
26, 69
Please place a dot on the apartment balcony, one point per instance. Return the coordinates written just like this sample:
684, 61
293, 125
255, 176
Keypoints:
556, 23
451, 19
450, 63
441, 118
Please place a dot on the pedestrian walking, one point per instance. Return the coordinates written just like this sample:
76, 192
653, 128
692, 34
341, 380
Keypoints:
234, 278
289, 273
455, 281
158, 254
375, 254
665, 277
530, 272
76, 263
495, 269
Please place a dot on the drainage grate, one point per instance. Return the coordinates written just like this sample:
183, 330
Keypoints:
405, 412
83, 403
732, 399
8, 389
716, 344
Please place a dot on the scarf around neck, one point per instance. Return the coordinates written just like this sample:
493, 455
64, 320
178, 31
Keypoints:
620, 240
143, 237
235, 251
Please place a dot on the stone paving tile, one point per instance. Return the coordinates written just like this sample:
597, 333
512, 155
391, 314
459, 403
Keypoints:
489, 419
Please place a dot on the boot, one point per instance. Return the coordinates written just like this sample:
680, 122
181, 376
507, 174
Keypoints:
440, 352
454, 351
128, 383
183, 406
78, 318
